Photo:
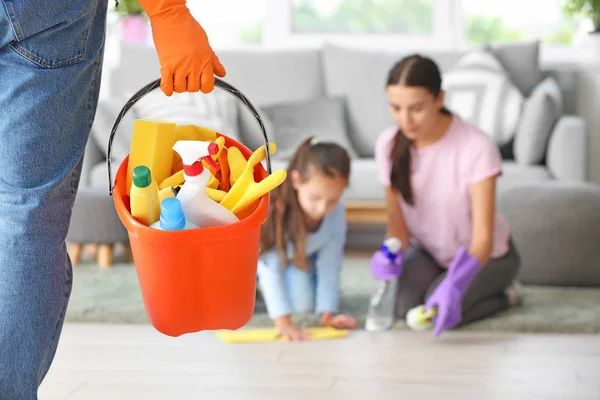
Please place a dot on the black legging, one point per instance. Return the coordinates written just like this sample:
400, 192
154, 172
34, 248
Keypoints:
485, 297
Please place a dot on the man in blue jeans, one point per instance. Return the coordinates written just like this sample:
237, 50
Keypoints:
50, 65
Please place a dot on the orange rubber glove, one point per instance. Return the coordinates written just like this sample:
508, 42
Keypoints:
187, 61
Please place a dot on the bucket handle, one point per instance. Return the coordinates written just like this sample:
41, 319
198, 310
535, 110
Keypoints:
221, 84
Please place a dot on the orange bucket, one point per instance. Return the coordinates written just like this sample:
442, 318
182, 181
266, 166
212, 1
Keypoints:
200, 279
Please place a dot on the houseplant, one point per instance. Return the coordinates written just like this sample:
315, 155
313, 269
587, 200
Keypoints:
588, 9
133, 20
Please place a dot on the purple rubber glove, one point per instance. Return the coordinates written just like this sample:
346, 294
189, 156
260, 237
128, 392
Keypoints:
386, 263
447, 297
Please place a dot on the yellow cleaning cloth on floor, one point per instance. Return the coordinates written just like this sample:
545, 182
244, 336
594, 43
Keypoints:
270, 335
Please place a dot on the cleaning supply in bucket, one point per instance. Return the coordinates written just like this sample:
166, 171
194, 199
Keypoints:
245, 190
385, 264
172, 217
151, 146
224, 183
168, 192
215, 174
237, 164
200, 209
420, 319
191, 132
215, 194
144, 200
174, 180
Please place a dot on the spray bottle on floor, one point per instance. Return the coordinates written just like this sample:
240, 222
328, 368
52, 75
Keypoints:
385, 265
198, 208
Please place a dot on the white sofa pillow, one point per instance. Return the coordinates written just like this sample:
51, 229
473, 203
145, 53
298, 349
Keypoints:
480, 92
541, 112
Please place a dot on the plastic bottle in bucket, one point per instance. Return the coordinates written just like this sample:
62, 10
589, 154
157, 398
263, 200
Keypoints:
145, 205
172, 217
200, 209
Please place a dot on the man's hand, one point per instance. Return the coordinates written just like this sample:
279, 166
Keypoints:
188, 63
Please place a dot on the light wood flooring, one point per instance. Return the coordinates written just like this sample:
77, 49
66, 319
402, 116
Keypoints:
135, 362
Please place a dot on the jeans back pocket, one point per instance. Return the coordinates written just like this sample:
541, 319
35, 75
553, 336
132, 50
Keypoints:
51, 33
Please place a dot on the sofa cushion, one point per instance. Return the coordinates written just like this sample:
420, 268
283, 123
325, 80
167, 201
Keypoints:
99, 175
479, 90
293, 123
250, 133
555, 226
540, 113
514, 175
521, 62
363, 184
270, 77
360, 75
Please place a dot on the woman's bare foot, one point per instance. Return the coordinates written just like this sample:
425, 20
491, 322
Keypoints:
288, 330
339, 321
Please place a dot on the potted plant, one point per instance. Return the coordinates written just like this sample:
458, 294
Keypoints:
133, 20
588, 9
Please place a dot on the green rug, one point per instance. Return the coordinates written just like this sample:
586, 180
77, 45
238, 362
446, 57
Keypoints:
113, 296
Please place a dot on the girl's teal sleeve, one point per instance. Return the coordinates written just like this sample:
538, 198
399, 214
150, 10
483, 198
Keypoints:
271, 280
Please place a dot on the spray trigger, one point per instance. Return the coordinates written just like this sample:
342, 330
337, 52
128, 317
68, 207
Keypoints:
209, 160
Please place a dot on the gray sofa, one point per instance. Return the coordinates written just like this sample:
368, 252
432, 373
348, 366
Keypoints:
338, 93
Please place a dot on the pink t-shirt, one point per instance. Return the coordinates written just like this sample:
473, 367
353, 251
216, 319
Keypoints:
441, 179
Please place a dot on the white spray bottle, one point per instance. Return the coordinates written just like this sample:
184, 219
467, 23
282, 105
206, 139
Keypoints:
198, 208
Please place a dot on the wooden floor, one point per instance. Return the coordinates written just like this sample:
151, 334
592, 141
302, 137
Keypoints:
135, 362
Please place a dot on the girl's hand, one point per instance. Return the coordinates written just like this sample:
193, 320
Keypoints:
339, 321
288, 330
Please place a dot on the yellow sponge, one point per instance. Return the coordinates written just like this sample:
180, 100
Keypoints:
151, 145
270, 335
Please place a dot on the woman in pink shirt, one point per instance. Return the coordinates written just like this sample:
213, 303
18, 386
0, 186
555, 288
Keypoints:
440, 178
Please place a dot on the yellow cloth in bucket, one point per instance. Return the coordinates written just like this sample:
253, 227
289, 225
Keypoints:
270, 335
245, 190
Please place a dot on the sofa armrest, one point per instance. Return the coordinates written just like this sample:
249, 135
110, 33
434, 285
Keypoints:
567, 156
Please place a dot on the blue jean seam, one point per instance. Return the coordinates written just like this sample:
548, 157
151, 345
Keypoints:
14, 22
73, 180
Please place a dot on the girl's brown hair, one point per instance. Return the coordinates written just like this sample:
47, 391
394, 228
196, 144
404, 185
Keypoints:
285, 221
419, 71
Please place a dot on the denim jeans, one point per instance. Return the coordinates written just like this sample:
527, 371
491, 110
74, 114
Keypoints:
50, 66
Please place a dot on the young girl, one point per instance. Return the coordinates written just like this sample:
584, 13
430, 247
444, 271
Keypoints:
440, 178
302, 242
